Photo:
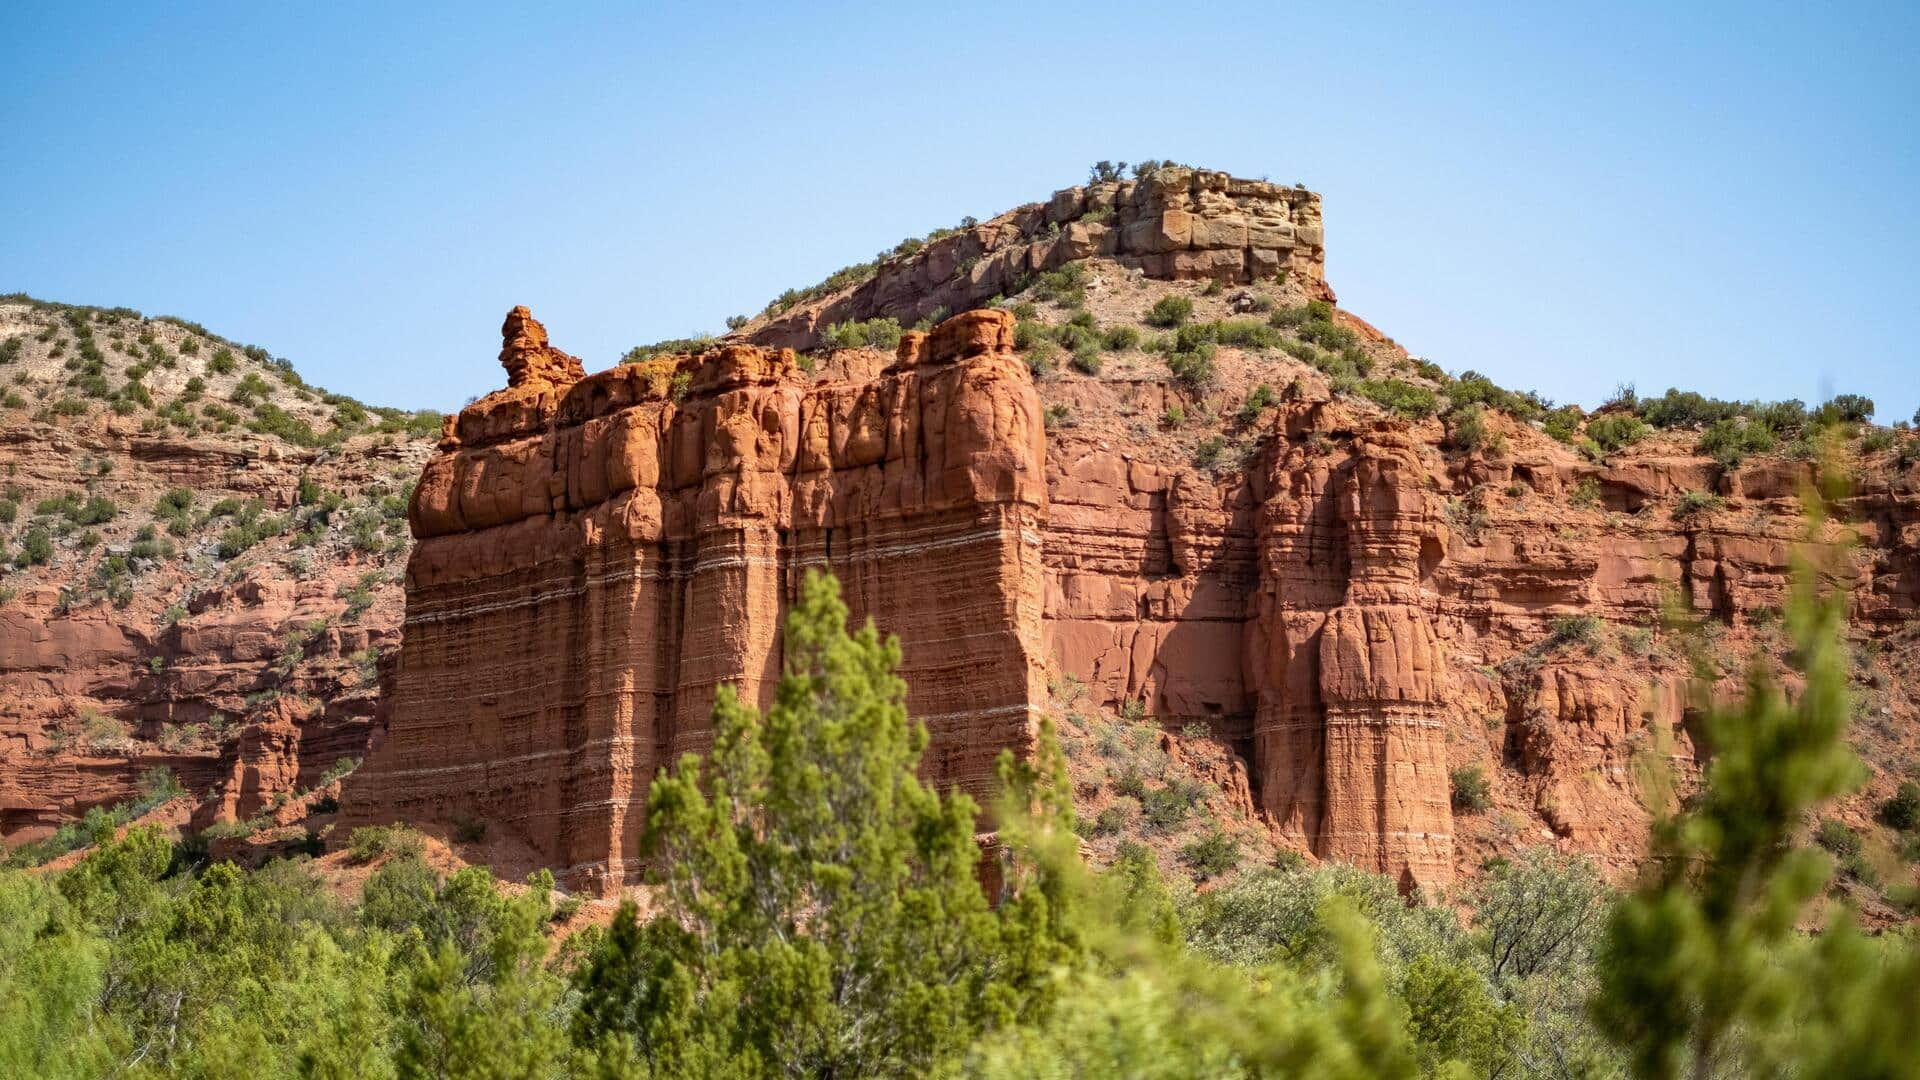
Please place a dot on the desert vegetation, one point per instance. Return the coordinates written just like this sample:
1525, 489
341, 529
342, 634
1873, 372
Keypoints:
820, 913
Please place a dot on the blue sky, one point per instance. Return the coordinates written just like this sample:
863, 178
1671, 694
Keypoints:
1720, 197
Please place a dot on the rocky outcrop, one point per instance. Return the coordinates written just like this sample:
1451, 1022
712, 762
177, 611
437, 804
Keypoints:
595, 556
1176, 224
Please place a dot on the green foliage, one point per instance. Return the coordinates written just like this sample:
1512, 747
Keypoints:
1539, 915
1120, 339
1844, 409
1615, 431
1902, 810
1569, 631
1728, 441
1472, 792
1473, 388
1212, 854
1207, 454
874, 333
1170, 311
370, 842
640, 354
1261, 399
1066, 286
1401, 397
1467, 430
821, 911
1704, 969
1193, 368
1696, 502
36, 548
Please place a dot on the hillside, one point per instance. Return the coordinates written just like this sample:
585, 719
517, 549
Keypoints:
199, 549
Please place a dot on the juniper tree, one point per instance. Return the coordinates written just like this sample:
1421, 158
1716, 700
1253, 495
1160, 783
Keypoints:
822, 913
1705, 969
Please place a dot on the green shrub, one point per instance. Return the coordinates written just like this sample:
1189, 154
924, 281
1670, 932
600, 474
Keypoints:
1170, 311
1570, 630
1844, 409
369, 842
1164, 807
1066, 286
1902, 810
95, 511
1472, 793
1467, 430
1401, 397
1207, 454
1211, 855
1120, 339
36, 548
1728, 441
874, 333
1110, 820
1696, 502
1585, 494
1614, 431
640, 354
1257, 402
1837, 837
1086, 359
1473, 388
1193, 368
1677, 409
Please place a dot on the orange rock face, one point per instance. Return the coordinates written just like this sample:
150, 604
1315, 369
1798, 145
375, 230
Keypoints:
594, 557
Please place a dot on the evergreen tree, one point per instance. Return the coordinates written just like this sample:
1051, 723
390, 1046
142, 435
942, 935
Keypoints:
1705, 969
822, 909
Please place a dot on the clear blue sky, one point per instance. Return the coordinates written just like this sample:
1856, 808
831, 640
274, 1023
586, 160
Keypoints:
1722, 197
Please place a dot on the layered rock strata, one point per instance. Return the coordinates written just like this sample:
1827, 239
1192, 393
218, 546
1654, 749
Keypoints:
595, 556
1174, 224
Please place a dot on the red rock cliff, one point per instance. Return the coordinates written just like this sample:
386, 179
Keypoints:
595, 555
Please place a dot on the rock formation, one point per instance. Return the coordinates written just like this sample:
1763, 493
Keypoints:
595, 556
1325, 609
1173, 224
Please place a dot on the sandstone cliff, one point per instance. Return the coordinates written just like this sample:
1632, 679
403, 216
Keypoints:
596, 555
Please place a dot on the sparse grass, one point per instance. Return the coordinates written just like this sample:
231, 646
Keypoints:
1694, 503
1575, 630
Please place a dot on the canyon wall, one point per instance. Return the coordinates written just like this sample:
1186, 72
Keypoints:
596, 555
1352, 609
